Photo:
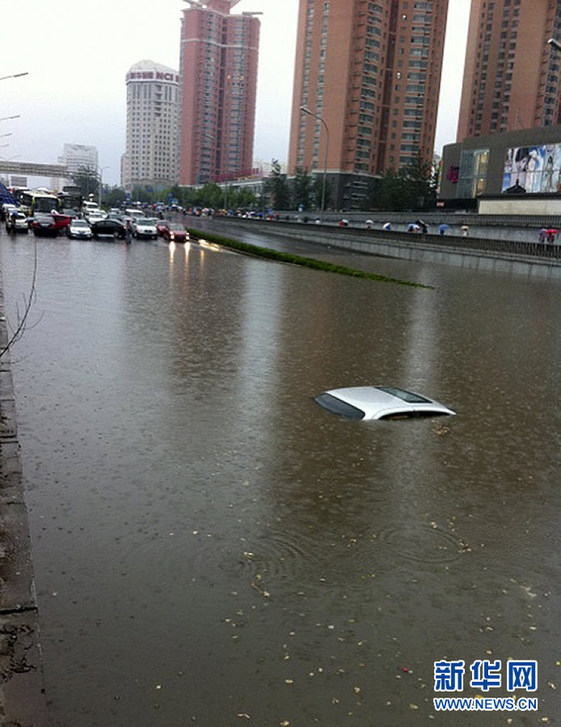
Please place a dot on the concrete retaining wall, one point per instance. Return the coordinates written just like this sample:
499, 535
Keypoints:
475, 253
22, 698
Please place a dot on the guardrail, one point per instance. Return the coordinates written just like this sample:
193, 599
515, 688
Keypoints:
519, 257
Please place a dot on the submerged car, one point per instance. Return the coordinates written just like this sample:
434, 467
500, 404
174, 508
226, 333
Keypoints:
175, 233
79, 229
379, 402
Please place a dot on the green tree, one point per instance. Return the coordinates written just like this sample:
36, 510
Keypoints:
114, 196
276, 186
243, 198
87, 180
412, 187
302, 189
175, 192
143, 194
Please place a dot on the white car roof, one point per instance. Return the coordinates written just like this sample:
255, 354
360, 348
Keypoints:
379, 402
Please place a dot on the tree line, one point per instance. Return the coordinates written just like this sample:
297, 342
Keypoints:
411, 187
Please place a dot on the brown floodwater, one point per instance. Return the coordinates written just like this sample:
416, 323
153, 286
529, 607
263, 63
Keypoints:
212, 548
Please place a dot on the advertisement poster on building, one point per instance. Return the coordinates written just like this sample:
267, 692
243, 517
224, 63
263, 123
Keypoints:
532, 169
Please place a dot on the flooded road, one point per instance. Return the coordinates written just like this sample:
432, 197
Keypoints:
212, 548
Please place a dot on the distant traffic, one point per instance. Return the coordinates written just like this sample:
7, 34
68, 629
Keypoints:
48, 214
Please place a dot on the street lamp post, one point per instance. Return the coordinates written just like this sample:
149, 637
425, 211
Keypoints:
306, 110
100, 171
15, 75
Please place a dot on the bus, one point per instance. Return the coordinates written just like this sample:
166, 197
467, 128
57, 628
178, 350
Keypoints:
70, 200
35, 200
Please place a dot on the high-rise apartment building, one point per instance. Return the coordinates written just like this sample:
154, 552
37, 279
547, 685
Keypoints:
511, 74
369, 74
152, 139
77, 157
218, 66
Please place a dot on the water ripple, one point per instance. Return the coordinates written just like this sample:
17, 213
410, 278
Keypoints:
422, 544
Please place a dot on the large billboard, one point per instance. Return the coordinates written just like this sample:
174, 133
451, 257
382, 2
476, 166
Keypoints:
532, 169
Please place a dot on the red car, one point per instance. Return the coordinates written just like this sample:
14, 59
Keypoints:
162, 226
61, 221
49, 225
175, 233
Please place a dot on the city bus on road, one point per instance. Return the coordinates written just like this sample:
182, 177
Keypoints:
32, 201
70, 200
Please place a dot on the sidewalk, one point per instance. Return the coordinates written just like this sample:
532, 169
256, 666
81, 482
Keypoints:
22, 698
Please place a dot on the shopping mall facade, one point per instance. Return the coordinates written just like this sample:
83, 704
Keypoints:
517, 172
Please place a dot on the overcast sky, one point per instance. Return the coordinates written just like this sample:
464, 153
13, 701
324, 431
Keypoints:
77, 55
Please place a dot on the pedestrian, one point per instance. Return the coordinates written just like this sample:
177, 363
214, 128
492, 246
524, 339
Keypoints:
387, 226
13, 218
442, 229
465, 230
542, 235
128, 232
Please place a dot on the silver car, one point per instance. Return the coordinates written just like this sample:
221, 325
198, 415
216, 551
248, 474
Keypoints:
145, 227
79, 229
379, 402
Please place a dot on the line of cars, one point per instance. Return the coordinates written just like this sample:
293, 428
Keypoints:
94, 223
118, 224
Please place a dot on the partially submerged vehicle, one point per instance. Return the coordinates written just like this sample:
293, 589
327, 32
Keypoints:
360, 403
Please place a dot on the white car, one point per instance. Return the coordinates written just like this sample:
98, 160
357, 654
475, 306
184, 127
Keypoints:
145, 227
80, 230
17, 222
379, 402
7, 210
95, 215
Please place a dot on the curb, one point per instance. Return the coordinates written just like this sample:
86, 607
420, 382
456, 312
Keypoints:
22, 693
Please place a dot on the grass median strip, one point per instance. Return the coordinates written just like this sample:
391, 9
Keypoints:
307, 262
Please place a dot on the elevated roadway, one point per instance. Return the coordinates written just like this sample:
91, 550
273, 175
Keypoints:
33, 169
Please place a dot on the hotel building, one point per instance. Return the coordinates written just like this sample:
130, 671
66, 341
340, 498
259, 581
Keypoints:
152, 139
511, 75
218, 67
369, 74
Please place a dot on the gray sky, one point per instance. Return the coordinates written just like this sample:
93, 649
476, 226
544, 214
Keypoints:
77, 55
